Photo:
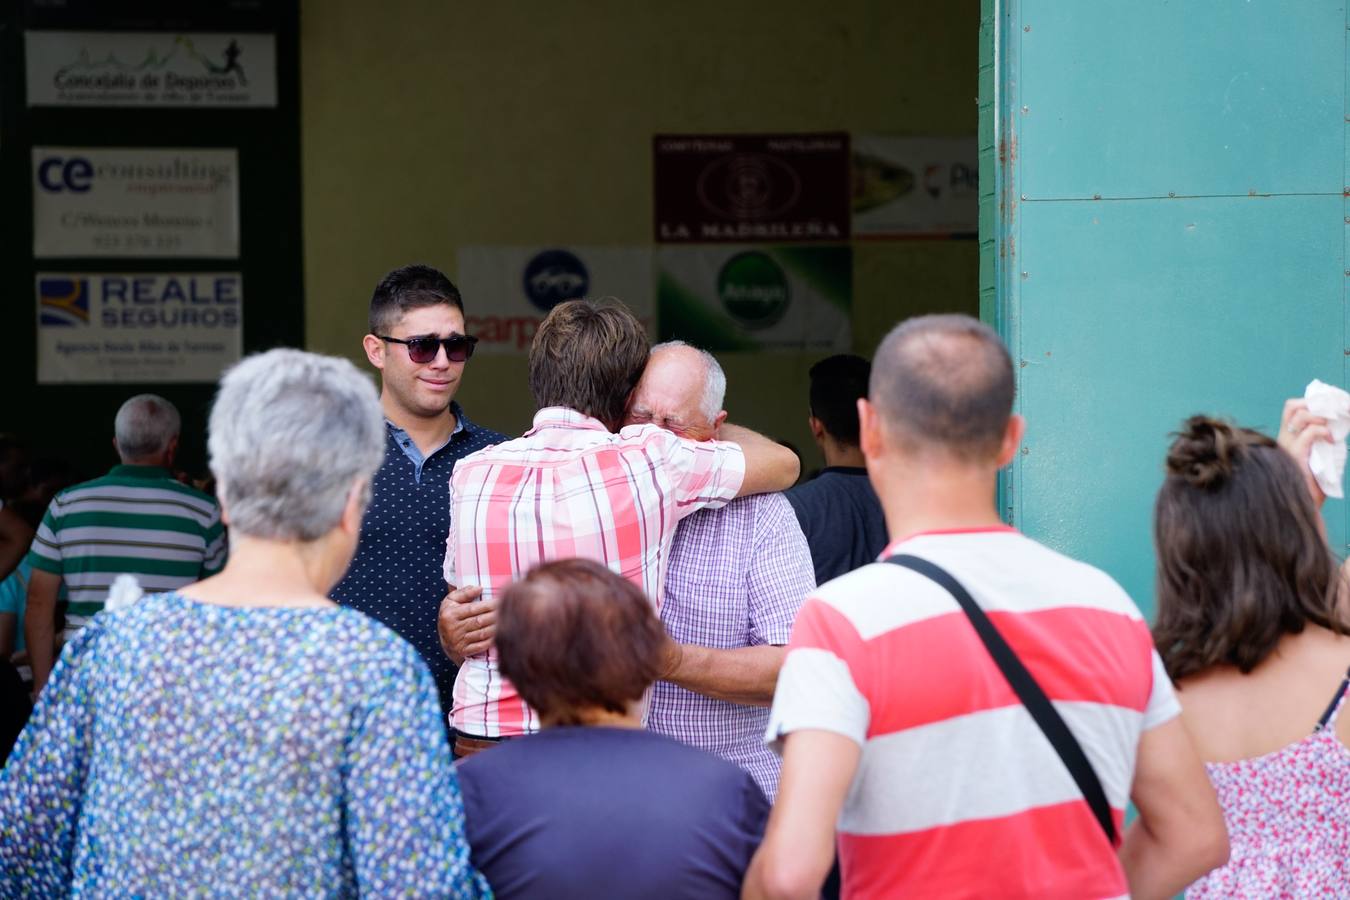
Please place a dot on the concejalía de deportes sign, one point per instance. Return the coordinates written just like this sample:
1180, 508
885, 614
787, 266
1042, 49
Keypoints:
94, 68
135, 202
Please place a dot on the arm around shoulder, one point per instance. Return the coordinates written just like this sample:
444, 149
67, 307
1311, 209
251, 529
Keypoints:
769, 466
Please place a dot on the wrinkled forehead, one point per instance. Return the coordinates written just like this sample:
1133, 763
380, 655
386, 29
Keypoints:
670, 391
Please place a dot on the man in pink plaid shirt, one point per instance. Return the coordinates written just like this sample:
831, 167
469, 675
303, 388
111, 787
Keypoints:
572, 487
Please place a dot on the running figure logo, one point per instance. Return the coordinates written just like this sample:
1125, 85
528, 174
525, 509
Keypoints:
231, 62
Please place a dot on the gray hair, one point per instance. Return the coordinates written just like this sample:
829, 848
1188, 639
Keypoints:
714, 379
290, 433
144, 426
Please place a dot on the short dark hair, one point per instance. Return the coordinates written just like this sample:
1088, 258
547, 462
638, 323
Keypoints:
1241, 557
944, 381
588, 356
573, 636
408, 288
836, 384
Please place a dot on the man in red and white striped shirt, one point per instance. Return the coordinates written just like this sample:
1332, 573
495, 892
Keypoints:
899, 728
572, 487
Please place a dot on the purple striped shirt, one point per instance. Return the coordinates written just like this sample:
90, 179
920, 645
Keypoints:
736, 578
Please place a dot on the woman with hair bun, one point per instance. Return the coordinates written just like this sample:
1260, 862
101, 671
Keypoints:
1251, 625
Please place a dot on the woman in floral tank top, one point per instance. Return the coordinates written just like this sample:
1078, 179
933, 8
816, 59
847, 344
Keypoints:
1252, 627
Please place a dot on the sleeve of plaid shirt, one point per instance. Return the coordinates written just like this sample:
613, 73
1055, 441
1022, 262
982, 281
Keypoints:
704, 474
780, 573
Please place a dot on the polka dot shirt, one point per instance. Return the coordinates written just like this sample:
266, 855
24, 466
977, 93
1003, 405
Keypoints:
186, 749
395, 576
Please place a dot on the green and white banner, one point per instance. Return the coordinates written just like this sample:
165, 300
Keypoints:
756, 298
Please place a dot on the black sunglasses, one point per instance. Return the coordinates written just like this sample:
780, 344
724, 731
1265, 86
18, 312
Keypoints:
458, 347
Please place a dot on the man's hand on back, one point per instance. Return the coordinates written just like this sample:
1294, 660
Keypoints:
466, 624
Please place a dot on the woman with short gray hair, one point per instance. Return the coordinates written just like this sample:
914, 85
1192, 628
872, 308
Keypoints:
243, 735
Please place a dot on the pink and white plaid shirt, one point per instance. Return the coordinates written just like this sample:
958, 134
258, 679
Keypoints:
570, 488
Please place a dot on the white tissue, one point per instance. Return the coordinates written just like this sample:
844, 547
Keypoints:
125, 591
1327, 460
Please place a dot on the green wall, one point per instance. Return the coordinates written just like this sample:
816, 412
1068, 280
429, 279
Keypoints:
427, 126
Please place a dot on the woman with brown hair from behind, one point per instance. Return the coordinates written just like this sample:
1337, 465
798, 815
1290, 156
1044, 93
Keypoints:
1251, 627
594, 805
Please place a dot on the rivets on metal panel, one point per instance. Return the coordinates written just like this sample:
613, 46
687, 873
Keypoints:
1025, 110
1025, 275
1096, 196
1023, 364
1347, 220
1026, 27
1171, 193
1026, 450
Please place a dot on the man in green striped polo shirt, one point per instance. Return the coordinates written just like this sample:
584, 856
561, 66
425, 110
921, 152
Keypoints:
136, 519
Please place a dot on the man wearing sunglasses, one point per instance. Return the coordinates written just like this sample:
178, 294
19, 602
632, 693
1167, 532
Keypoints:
417, 341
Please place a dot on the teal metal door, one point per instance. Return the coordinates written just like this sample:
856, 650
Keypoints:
1169, 237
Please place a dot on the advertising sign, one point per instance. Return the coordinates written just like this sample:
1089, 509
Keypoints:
915, 186
508, 290
756, 298
751, 187
137, 327
161, 68
135, 202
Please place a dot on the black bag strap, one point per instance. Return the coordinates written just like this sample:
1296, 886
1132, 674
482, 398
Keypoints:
1026, 688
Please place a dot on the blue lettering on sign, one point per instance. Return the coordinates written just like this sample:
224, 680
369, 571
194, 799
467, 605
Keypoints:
148, 301
56, 174
553, 277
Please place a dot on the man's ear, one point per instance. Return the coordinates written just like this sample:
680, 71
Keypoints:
1012, 439
817, 428
717, 422
870, 437
374, 348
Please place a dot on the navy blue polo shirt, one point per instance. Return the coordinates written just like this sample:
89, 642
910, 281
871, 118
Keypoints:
841, 518
395, 576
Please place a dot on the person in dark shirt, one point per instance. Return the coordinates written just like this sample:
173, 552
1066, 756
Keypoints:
838, 510
594, 805
417, 341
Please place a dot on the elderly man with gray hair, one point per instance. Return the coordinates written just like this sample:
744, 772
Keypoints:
736, 579
135, 520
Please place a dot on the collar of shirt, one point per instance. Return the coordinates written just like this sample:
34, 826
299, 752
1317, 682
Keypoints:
131, 471
979, 529
562, 417
409, 446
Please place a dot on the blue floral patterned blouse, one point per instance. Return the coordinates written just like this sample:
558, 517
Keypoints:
182, 748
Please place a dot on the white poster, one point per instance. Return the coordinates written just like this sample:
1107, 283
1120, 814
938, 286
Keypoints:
160, 68
137, 327
915, 186
508, 290
135, 202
